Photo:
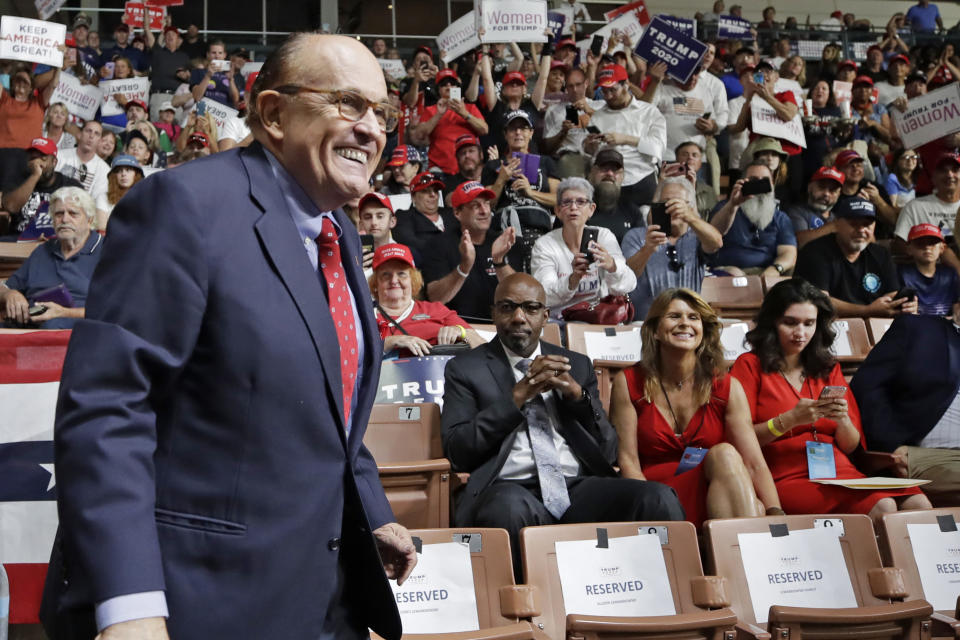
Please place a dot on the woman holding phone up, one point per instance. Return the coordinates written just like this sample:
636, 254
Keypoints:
805, 417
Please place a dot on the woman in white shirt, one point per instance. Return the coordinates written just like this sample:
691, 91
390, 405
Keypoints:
567, 275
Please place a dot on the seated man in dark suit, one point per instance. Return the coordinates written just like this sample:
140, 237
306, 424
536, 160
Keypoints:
908, 390
524, 418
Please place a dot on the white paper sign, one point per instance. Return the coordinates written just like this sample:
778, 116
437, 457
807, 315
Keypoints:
459, 38
32, 40
438, 597
627, 23
766, 122
393, 69
219, 112
81, 100
46, 8
250, 67
131, 89
802, 569
624, 346
731, 338
629, 578
930, 116
841, 345
937, 554
513, 20
401, 201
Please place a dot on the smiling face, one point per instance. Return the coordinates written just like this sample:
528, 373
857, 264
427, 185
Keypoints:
475, 216
518, 135
680, 326
796, 327
394, 286
853, 172
820, 93
946, 177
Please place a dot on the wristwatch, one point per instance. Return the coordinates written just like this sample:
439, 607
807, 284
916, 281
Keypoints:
778, 267
503, 263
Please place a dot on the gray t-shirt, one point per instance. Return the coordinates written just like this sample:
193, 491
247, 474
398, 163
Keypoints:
665, 269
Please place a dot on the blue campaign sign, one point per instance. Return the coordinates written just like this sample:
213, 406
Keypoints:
555, 22
733, 27
684, 25
412, 380
681, 52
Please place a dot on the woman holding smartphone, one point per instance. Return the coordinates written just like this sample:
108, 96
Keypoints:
805, 417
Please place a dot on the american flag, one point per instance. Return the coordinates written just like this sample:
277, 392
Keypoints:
30, 366
684, 106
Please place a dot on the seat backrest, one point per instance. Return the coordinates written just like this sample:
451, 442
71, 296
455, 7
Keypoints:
852, 343
726, 293
877, 327
492, 566
769, 281
732, 335
858, 544
617, 346
680, 554
404, 432
550, 333
897, 549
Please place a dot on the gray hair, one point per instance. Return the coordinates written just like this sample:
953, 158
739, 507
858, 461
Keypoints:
574, 183
689, 191
75, 196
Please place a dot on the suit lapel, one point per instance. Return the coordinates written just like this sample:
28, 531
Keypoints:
499, 367
953, 354
284, 248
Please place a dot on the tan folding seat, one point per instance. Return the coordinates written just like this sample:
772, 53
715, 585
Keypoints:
877, 327
700, 600
859, 340
897, 551
14, 254
879, 591
733, 296
605, 369
769, 281
405, 441
551, 331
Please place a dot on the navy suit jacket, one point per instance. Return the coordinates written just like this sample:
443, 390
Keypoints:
907, 381
199, 438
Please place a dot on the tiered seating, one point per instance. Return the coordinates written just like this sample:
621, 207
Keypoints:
551, 332
611, 348
852, 343
405, 441
12, 255
733, 296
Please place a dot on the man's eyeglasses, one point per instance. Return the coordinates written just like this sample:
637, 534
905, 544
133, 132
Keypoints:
509, 307
579, 203
351, 105
675, 263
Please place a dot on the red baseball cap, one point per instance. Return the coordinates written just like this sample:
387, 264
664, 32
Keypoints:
136, 103
404, 154
948, 156
424, 180
837, 14
863, 80
393, 251
559, 64
829, 173
899, 58
46, 146
447, 74
468, 192
847, 63
611, 74
845, 157
566, 42
199, 136
872, 47
514, 76
427, 50
925, 230
465, 141
379, 198
171, 28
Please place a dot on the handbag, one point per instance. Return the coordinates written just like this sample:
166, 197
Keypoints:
611, 309
435, 349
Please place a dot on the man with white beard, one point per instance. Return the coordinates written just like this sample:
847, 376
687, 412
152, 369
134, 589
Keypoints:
859, 275
812, 219
757, 236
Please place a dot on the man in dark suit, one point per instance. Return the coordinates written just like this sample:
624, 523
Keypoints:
524, 418
908, 390
212, 406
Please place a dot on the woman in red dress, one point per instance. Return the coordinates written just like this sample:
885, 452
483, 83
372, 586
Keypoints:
675, 409
783, 377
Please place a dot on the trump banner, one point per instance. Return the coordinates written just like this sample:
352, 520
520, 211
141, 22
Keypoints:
683, 25
81, 100
733, 27
219, 112
46, 8
513, 20
458, 38
32, 40
627, 24
680, 51
133, 15
638, 8
30, 366
412, 380
928, 117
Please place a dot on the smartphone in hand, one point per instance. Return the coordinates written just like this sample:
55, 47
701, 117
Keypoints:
833, 392
455, 93
659, 216
756, 187
589, 235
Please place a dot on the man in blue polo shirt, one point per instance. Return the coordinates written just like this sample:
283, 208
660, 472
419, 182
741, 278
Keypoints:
924, 17
50, 288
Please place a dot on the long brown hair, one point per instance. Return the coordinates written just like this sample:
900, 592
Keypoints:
709, 353
114, 190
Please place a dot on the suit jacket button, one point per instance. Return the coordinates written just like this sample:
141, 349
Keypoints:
333, 544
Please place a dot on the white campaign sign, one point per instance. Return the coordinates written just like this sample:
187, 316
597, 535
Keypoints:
938, 561
627, 23
32, 40
219, 112
731, 339
393, 69
46, 8
802, 569
841, 344
513, 20
622, 347
459, 38
438, 597
131, 88
629, 578
81, 100
766, 122
930, 116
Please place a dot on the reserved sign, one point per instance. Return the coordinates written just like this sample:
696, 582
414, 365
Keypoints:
937, 554
439, 596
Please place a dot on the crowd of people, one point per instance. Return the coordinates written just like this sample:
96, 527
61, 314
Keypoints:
523, 187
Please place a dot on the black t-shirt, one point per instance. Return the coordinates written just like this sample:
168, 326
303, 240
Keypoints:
509, 197
619, 219
419, 233
428, 89
495, 120
475, 297
861, 282
164, 64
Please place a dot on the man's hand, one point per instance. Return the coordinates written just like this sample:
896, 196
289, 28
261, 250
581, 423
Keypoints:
16, 306
655, 237
886, 306
736, 194
657, 70
582, 105
901, 465
459, 108
537, 380
681, 210
502, 245
368, 260
911, 306
36, 167
616, 138
468, 253
142, 629
396, 550
869, 192
706, 125
54, 310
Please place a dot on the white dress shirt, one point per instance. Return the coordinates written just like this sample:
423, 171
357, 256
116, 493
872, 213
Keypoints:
642, 121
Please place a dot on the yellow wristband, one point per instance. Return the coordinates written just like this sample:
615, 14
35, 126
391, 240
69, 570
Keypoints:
463, 332
773, 429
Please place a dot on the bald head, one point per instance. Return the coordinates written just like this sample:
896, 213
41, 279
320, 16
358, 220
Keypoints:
520, 282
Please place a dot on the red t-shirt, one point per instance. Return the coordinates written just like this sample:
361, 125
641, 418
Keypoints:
788, 147
423, 321
444, 136
20, 122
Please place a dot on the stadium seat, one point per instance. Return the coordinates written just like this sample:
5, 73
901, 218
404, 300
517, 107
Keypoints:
501, 604
551, 332
897, 551
12, 255
769, 281
877, 327
405, 441
700, 601
599, 343
732, 336
733, 296
878, 591
852, 343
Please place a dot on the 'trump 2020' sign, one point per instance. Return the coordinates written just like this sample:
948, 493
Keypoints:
663, 42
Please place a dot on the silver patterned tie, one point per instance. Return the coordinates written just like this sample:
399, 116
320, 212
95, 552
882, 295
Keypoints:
553, 488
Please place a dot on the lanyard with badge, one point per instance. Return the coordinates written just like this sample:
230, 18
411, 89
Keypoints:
692, 456
821, 461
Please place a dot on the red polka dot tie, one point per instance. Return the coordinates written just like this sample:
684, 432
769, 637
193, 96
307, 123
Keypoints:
341, 309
